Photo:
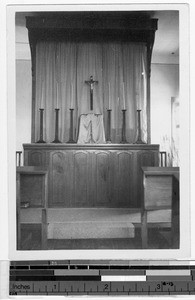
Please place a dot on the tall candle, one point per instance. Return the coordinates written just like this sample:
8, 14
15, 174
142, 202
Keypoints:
109, 96
41, 104
71, 97
57, 95
124, 107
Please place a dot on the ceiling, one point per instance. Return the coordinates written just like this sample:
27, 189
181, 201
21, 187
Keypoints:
166, 45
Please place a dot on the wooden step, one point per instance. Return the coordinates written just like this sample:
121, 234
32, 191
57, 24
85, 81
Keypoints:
91, 214
33, 215
86, 223
90, 230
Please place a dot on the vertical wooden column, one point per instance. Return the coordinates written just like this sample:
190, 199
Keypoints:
150, 44
124, 140
56, 140
44, 223
108, 140
144, 230
18, 158
18, 246
33, 70
41, 126
71, 132
44, 229
139, 139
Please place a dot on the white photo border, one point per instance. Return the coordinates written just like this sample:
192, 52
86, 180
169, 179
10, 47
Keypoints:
157, 254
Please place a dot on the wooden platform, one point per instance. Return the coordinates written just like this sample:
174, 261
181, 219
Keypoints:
90, 223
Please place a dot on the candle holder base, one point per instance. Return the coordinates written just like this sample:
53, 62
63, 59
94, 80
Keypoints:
56, 141
71, 141
124, 142
41, 142
139, 142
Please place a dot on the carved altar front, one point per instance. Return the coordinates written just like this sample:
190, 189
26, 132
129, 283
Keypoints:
92, 175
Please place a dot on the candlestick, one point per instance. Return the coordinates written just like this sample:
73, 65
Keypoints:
71, 139
57, 95
71, 96
124, 106
123, 140
139, 140
108, 140
41, 126
109, 95
56, 140
41, 104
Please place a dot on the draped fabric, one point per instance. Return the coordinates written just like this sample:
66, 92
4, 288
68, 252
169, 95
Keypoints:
91, 129
61, 71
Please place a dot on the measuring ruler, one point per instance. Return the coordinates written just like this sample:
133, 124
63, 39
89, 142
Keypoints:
101, 278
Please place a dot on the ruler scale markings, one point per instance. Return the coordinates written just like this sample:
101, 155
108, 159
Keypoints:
123, 278
50, 267
76, 273
32, 273
57, 278
175, 281
122, 272
21, 267
168, 272
98, 267
168, 278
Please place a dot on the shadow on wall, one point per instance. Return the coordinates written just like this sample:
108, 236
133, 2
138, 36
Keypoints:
169, 145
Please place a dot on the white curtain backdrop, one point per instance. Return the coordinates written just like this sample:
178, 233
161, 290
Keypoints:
61, 71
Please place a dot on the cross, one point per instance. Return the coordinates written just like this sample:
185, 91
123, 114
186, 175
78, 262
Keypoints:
91, 82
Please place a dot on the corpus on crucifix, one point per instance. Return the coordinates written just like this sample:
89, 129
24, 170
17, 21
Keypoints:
91, 83
91, 127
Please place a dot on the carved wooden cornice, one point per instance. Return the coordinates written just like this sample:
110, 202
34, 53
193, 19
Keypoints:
51, 146
101, 26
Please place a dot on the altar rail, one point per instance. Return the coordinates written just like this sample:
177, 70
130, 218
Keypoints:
107, 175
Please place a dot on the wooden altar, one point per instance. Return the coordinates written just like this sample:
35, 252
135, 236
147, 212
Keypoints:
107, 175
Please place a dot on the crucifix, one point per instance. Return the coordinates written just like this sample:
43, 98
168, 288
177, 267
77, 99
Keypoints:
91, 82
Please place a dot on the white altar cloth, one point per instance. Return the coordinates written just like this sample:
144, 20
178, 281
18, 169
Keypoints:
91, 129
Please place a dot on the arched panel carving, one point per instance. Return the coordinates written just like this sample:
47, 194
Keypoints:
60, 190
93, 175
103, 179
35, 158
125, 179
81, 178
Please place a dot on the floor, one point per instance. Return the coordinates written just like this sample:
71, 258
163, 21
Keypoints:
158, 239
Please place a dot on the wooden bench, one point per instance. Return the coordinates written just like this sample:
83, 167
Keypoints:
160, 193
31, 186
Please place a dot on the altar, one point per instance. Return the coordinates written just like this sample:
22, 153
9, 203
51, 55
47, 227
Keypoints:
93, 175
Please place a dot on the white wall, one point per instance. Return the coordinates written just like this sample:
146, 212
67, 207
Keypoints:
164, 86
23, 103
